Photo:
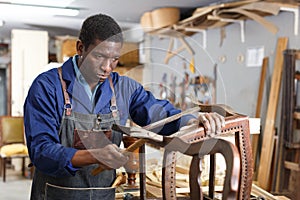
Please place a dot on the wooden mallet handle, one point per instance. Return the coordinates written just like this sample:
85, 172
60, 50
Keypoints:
131, 148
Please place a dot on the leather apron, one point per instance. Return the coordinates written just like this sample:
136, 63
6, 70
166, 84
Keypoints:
75, 131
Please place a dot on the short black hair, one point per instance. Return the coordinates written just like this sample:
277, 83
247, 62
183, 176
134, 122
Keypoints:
100, 27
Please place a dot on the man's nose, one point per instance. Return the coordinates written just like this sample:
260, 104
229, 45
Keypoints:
106, 64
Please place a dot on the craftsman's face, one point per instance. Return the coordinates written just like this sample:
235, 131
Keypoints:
99, 60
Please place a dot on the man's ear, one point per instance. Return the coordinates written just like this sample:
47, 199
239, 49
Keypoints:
79, 47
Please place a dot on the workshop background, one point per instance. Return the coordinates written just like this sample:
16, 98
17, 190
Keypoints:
243, 54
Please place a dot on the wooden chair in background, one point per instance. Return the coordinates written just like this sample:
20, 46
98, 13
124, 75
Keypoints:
12, 142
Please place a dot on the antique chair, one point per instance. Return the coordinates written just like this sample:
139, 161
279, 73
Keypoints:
238, 157
196, 143
12, 142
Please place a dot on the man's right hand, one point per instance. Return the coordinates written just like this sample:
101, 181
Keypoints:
108, 157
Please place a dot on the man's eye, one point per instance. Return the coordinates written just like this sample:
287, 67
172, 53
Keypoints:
115, 59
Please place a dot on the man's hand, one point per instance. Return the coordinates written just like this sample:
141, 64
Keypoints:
108, 157
212, 122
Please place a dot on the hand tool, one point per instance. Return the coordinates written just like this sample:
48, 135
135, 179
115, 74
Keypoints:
159, 123
119, 180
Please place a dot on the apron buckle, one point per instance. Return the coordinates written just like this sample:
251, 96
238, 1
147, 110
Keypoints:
68, 108
113, 108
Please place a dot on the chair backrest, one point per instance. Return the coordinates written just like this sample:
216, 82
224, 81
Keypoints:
11, 130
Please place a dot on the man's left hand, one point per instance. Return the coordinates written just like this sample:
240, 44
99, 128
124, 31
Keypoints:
212, 122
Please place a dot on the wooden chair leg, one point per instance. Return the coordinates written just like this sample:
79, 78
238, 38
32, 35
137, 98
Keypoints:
4, 169
1, 161
194, 175
212, 174
208, 147
23, 166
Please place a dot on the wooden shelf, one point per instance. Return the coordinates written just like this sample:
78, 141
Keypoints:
292, 166
297, 115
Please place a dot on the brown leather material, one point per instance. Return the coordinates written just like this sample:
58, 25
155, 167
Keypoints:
113, 101
12, 130
68, 105
91, 139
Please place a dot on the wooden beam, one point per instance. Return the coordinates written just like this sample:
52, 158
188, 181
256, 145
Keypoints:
255, 138
268, 131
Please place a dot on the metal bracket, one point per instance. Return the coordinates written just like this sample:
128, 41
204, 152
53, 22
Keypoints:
296, 16
204, 35
241, 22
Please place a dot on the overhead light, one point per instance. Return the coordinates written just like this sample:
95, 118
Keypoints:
51, 3
37, 10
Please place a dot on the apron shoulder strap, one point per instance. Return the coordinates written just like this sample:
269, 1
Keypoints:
113, 101
68, 105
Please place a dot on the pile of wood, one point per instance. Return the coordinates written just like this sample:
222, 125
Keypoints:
154, 177
154, 188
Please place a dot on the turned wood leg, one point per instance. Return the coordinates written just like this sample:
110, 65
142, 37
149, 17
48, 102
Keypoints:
132, 166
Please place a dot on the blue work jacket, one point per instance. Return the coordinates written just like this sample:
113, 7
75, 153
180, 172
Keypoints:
44, 106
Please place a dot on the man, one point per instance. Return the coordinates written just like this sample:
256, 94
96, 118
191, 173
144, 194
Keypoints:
67, 108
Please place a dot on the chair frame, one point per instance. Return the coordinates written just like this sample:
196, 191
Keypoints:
238, 157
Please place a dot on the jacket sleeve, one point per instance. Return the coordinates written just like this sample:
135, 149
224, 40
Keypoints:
42, 115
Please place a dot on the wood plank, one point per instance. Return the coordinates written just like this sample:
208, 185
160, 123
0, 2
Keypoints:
268, 131
257, 191
265, 65
268, 196
151, 177
255, 138
182, 169
292, 166
182, 177
183, 190
267, 7
282, 198
182, 184
154, 183
153, 191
